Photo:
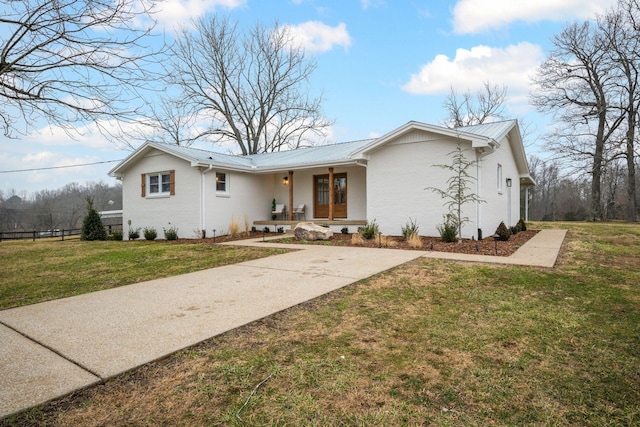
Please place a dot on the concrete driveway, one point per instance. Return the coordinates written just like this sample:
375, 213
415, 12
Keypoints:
53, 348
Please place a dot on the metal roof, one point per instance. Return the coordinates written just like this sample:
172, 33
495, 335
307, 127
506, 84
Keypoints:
310, 156
321, 154
495, 130
331, 154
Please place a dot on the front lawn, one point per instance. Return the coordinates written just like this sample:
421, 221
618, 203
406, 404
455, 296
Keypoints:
43, 270
427, 343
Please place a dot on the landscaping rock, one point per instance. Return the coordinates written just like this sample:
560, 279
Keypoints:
311, 231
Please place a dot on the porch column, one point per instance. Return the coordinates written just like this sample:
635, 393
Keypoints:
331, 194
290, 195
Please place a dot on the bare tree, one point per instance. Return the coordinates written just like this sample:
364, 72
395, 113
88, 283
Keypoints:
171, 121
467, 109
250, 87
621, 31
576, 83
69, 61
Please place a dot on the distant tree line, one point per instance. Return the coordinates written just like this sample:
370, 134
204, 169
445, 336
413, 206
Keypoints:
64, 208
562, 196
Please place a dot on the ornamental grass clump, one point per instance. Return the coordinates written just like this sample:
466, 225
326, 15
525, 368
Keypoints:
357, 239
409, 229
234, 228
414, 241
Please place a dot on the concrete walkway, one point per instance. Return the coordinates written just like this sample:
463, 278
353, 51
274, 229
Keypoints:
54, 348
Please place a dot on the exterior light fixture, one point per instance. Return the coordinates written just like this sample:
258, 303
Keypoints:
508, 182
285, 180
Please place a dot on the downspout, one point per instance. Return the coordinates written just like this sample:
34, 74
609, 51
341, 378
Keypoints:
480, 154
203, 209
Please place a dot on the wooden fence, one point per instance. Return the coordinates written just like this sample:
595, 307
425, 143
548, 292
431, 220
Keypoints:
52, 234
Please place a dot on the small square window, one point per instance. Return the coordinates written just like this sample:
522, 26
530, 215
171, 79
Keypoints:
221, 182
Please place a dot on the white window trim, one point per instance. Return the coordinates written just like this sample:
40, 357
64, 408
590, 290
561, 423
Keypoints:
499, 178
160, 194
224, 193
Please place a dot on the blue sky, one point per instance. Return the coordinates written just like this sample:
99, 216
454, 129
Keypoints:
381, 63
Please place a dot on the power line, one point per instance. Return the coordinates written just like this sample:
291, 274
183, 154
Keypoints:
60, 167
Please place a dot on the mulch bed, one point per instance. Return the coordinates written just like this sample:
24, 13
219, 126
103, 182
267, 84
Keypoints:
486, 246
482, 247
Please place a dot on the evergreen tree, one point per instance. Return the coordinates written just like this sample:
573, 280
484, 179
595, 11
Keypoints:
458, 191
92, 228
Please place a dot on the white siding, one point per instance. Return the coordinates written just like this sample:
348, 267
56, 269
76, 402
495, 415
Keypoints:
496, 208
247, 196
180, 210
398, 176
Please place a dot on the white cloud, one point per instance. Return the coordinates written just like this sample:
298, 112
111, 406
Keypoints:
511, 66
90, 136
473, 16
175, 13
315, 36
368, 4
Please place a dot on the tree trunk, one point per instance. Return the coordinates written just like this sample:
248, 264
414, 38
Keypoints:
596, 182
632, 200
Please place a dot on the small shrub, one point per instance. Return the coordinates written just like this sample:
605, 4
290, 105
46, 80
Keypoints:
414, 241
134, 234
448, 230
521, 225
266, 230
344, 230
356, 239
370, 230
503, 232
116, 235
150, 233
514, 230
171, 233
410, 229
234, 228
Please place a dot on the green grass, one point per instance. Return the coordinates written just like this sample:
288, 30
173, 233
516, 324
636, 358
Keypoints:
427, 343
39, 271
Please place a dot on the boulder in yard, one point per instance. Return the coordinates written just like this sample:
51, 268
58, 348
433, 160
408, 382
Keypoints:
311, 231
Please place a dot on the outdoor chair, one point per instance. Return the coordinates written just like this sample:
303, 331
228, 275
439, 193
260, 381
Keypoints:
279, 210
299, 211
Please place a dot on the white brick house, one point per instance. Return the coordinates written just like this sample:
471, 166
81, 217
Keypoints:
382, 179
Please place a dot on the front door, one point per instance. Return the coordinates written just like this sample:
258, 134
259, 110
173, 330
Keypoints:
321, 190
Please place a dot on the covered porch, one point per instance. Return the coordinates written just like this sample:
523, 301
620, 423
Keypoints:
334, 196
336, 225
